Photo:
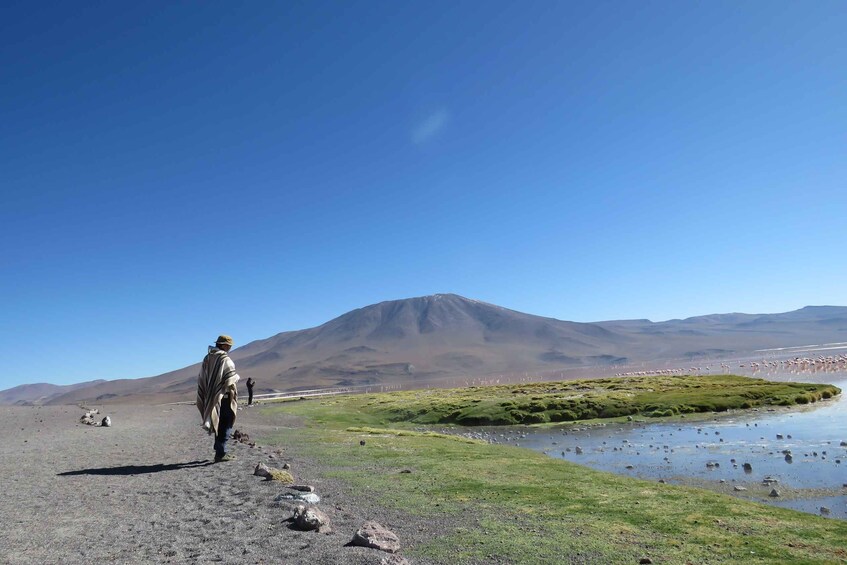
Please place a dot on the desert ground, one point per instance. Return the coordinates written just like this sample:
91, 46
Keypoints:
145, 490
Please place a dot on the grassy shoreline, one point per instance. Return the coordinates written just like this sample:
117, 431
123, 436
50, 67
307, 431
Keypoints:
525, 507
569, 401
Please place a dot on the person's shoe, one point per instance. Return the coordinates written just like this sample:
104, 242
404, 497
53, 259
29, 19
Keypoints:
225, 457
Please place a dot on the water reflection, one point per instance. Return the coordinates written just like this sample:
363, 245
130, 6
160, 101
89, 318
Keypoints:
800, 453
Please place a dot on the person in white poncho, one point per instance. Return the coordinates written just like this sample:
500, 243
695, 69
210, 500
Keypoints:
217, 395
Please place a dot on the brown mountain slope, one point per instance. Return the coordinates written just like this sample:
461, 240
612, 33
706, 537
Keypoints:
419, 338
446, 335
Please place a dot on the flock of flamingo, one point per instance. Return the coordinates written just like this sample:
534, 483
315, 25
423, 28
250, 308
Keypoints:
820, 364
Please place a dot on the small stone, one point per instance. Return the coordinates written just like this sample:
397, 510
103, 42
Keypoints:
307, 497
774, 493
311, 518
825, 511
738, 488
302, 488
645, 561
373, 534
286, 466
362, 442
262, 470
106, 422
405, 471
281, 476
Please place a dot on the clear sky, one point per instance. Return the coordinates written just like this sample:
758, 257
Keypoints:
171, 171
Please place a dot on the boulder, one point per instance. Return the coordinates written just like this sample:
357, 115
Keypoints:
310, 518
372, 534
106, 422
262, 470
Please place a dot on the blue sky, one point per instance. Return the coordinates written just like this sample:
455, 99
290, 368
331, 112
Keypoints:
171, 171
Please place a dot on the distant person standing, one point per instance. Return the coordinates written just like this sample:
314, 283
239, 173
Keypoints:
217, 395
250, 384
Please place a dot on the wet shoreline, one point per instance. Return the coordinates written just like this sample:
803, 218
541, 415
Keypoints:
792, 457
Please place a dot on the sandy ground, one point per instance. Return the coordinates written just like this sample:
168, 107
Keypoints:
145, 490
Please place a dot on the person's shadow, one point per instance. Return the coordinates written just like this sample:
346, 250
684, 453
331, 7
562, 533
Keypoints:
137, 469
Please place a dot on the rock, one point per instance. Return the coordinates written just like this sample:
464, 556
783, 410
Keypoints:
825, 511
106, 422
286, 466
662, 481
747, 467
281, 476
738, 488
311, 518
372, 534
262, 470
778, 436
405, 471
302, 488
578, 450
788, 458
844, 444
645, 561
307, 497
629, 418
630, 466
362, 442
774, 493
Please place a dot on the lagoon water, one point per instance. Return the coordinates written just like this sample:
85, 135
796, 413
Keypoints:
701, 451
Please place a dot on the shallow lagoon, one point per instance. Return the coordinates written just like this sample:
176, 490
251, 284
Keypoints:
678, 452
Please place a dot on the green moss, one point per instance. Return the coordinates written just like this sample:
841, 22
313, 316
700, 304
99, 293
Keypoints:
282, 476
539, 403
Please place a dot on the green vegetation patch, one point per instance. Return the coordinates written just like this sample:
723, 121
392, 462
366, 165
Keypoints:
504, 504
568, 401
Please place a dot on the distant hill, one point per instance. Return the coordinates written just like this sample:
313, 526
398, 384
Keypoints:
39, 392
446, 335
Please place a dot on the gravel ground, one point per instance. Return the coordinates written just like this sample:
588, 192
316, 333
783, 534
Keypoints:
145, 490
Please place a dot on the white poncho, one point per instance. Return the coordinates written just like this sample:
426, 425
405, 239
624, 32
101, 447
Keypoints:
217, 378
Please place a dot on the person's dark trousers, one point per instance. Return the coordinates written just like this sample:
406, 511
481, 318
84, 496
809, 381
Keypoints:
250, 396
225, 423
